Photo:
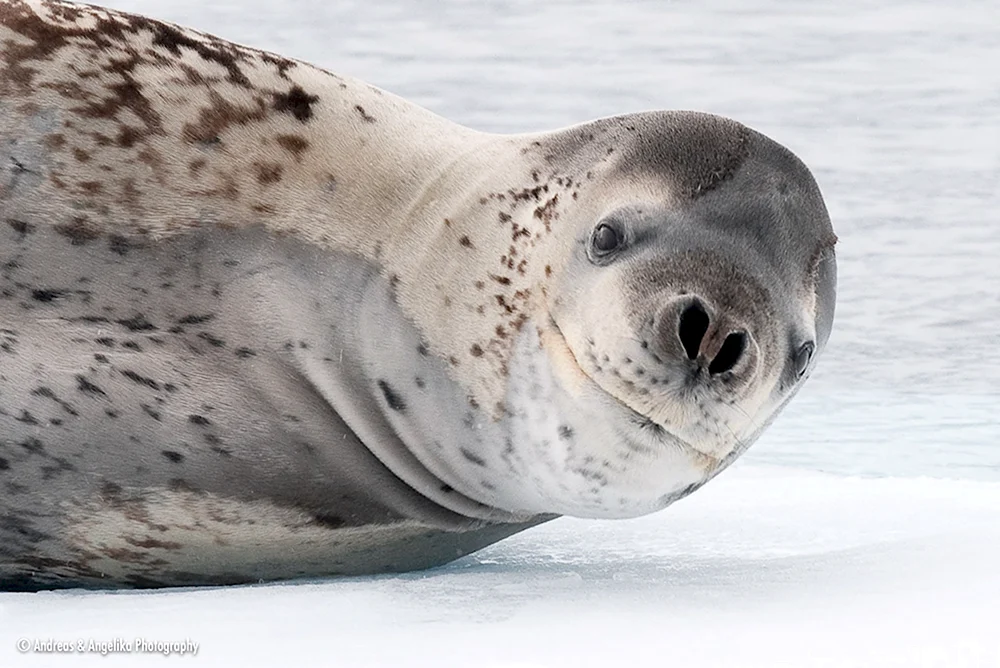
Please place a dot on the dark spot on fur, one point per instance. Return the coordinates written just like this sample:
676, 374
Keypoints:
119, 244
244, 353
132, 345
33, 445
55, 141
111, 493
466, 241
79, 232
137, 323
106, 342
141, 380
27, 418
364, 114
149, 542
212, 340
47, 393
447, 489
173, 456
214, 119
86, 387
195, 319
329, 521
172, 39
4, 464
293, 144
181, 485
476, 350
423, 350
152, 412
199, 420
565, 432
46, 296
22, 228
394, 401
268, 173
296, 102
472, 457
128, 136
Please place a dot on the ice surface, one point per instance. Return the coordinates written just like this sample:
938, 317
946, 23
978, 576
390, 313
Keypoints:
764, 567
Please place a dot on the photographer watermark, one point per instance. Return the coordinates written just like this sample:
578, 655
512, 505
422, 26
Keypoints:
106, 647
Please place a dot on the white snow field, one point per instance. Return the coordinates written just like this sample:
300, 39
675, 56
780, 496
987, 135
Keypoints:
862, 530
764, 567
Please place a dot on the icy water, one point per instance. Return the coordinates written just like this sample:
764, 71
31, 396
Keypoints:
894, 105
838, 540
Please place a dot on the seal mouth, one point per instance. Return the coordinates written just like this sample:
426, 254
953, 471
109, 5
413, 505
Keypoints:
643, 422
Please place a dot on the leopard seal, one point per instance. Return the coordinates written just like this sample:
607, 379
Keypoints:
260, 321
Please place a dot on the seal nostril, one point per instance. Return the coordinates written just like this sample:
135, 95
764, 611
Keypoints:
729, 354
692, 328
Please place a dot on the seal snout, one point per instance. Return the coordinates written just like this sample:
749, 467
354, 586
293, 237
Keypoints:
691, 330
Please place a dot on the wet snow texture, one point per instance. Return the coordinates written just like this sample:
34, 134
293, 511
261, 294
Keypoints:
886, 558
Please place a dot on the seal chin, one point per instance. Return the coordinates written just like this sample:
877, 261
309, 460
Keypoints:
564, 360
575, 449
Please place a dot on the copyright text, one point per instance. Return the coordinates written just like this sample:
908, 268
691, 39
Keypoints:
106, 647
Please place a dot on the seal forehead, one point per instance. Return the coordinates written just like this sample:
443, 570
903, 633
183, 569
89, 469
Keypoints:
694, 152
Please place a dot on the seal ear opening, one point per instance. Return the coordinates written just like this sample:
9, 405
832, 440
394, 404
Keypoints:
802, 358
825, 282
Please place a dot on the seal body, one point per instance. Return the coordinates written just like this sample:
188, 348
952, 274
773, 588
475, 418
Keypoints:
259, 321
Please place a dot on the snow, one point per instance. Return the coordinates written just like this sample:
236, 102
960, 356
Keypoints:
766, 567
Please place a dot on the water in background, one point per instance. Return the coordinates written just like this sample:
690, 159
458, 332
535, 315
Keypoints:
894, 105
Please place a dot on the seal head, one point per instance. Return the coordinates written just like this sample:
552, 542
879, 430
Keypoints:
680, 303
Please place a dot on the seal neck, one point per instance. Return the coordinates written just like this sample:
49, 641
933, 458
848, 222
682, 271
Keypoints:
373, 157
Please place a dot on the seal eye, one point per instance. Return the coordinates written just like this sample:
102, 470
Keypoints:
802, 358
605, 240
